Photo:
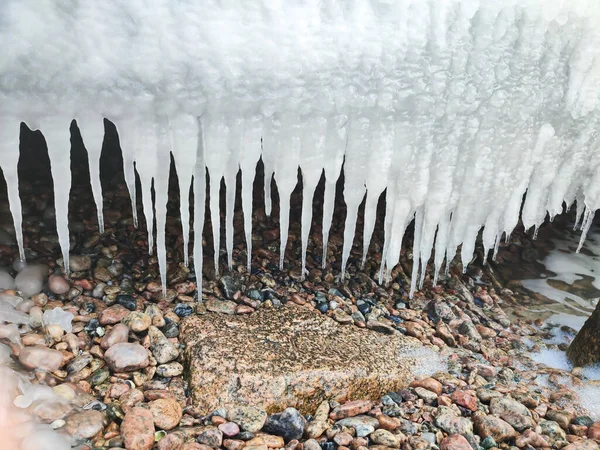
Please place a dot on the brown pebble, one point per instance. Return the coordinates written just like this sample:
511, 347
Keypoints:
138, 429
166, 413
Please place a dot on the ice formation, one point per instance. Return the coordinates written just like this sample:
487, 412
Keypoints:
454, 108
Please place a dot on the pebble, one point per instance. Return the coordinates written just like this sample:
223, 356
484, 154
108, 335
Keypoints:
221, 306
230, 283
58, 285
85, 424
384, 437
351, 409
585, 444
465, 399
117, 334
431, 384
112, 315
126, 301
288, 424
266, 440
6, 281
166, 412
452, 424
30, 280
500, 405
249, 418
312, 444
319, 423
364, 425
495, 427
455, 442
78, 263
594, 431
137, 429
183, 310
127, 357
229, 429
40, 357
169, 370
137, 321
211, 437
163, 350
172, 441
170, 329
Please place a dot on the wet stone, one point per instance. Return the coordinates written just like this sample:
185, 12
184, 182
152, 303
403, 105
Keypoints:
85, 424
364, 425
169, 370
117, 334
288, 424
127, 301
171, 329
166, 413
137, 321
112, 315
183, 309
138, 429
229, 429
163, 350
126, 357
212, 437
495, 427
230, 284
40, 357
249, 418
221, 306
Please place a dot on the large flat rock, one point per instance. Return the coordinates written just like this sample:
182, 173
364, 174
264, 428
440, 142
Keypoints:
290, 356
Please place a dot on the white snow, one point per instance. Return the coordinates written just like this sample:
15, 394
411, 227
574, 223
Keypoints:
454, 108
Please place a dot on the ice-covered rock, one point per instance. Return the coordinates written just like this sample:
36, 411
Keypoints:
30, 280
60, 317
6, 280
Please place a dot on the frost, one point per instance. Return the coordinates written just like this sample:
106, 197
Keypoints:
60, 317
454, 109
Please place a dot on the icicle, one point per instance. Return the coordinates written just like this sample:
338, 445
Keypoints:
161, 192
286, 140
10, 129
58, 140
92, 134
145, 151
230, 176
579, 212
268, 159
357, 151
335, 146
441, 241
588, 218
390, 203
313, 144
184, 142
382, 149
416, 250
199, 206
251, 148
127, 142
216, 141
497, 246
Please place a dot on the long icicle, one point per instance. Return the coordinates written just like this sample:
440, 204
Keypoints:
92, 134
10, 129
199, 207
58, 140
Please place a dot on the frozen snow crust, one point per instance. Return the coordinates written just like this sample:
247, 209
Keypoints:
456, 107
